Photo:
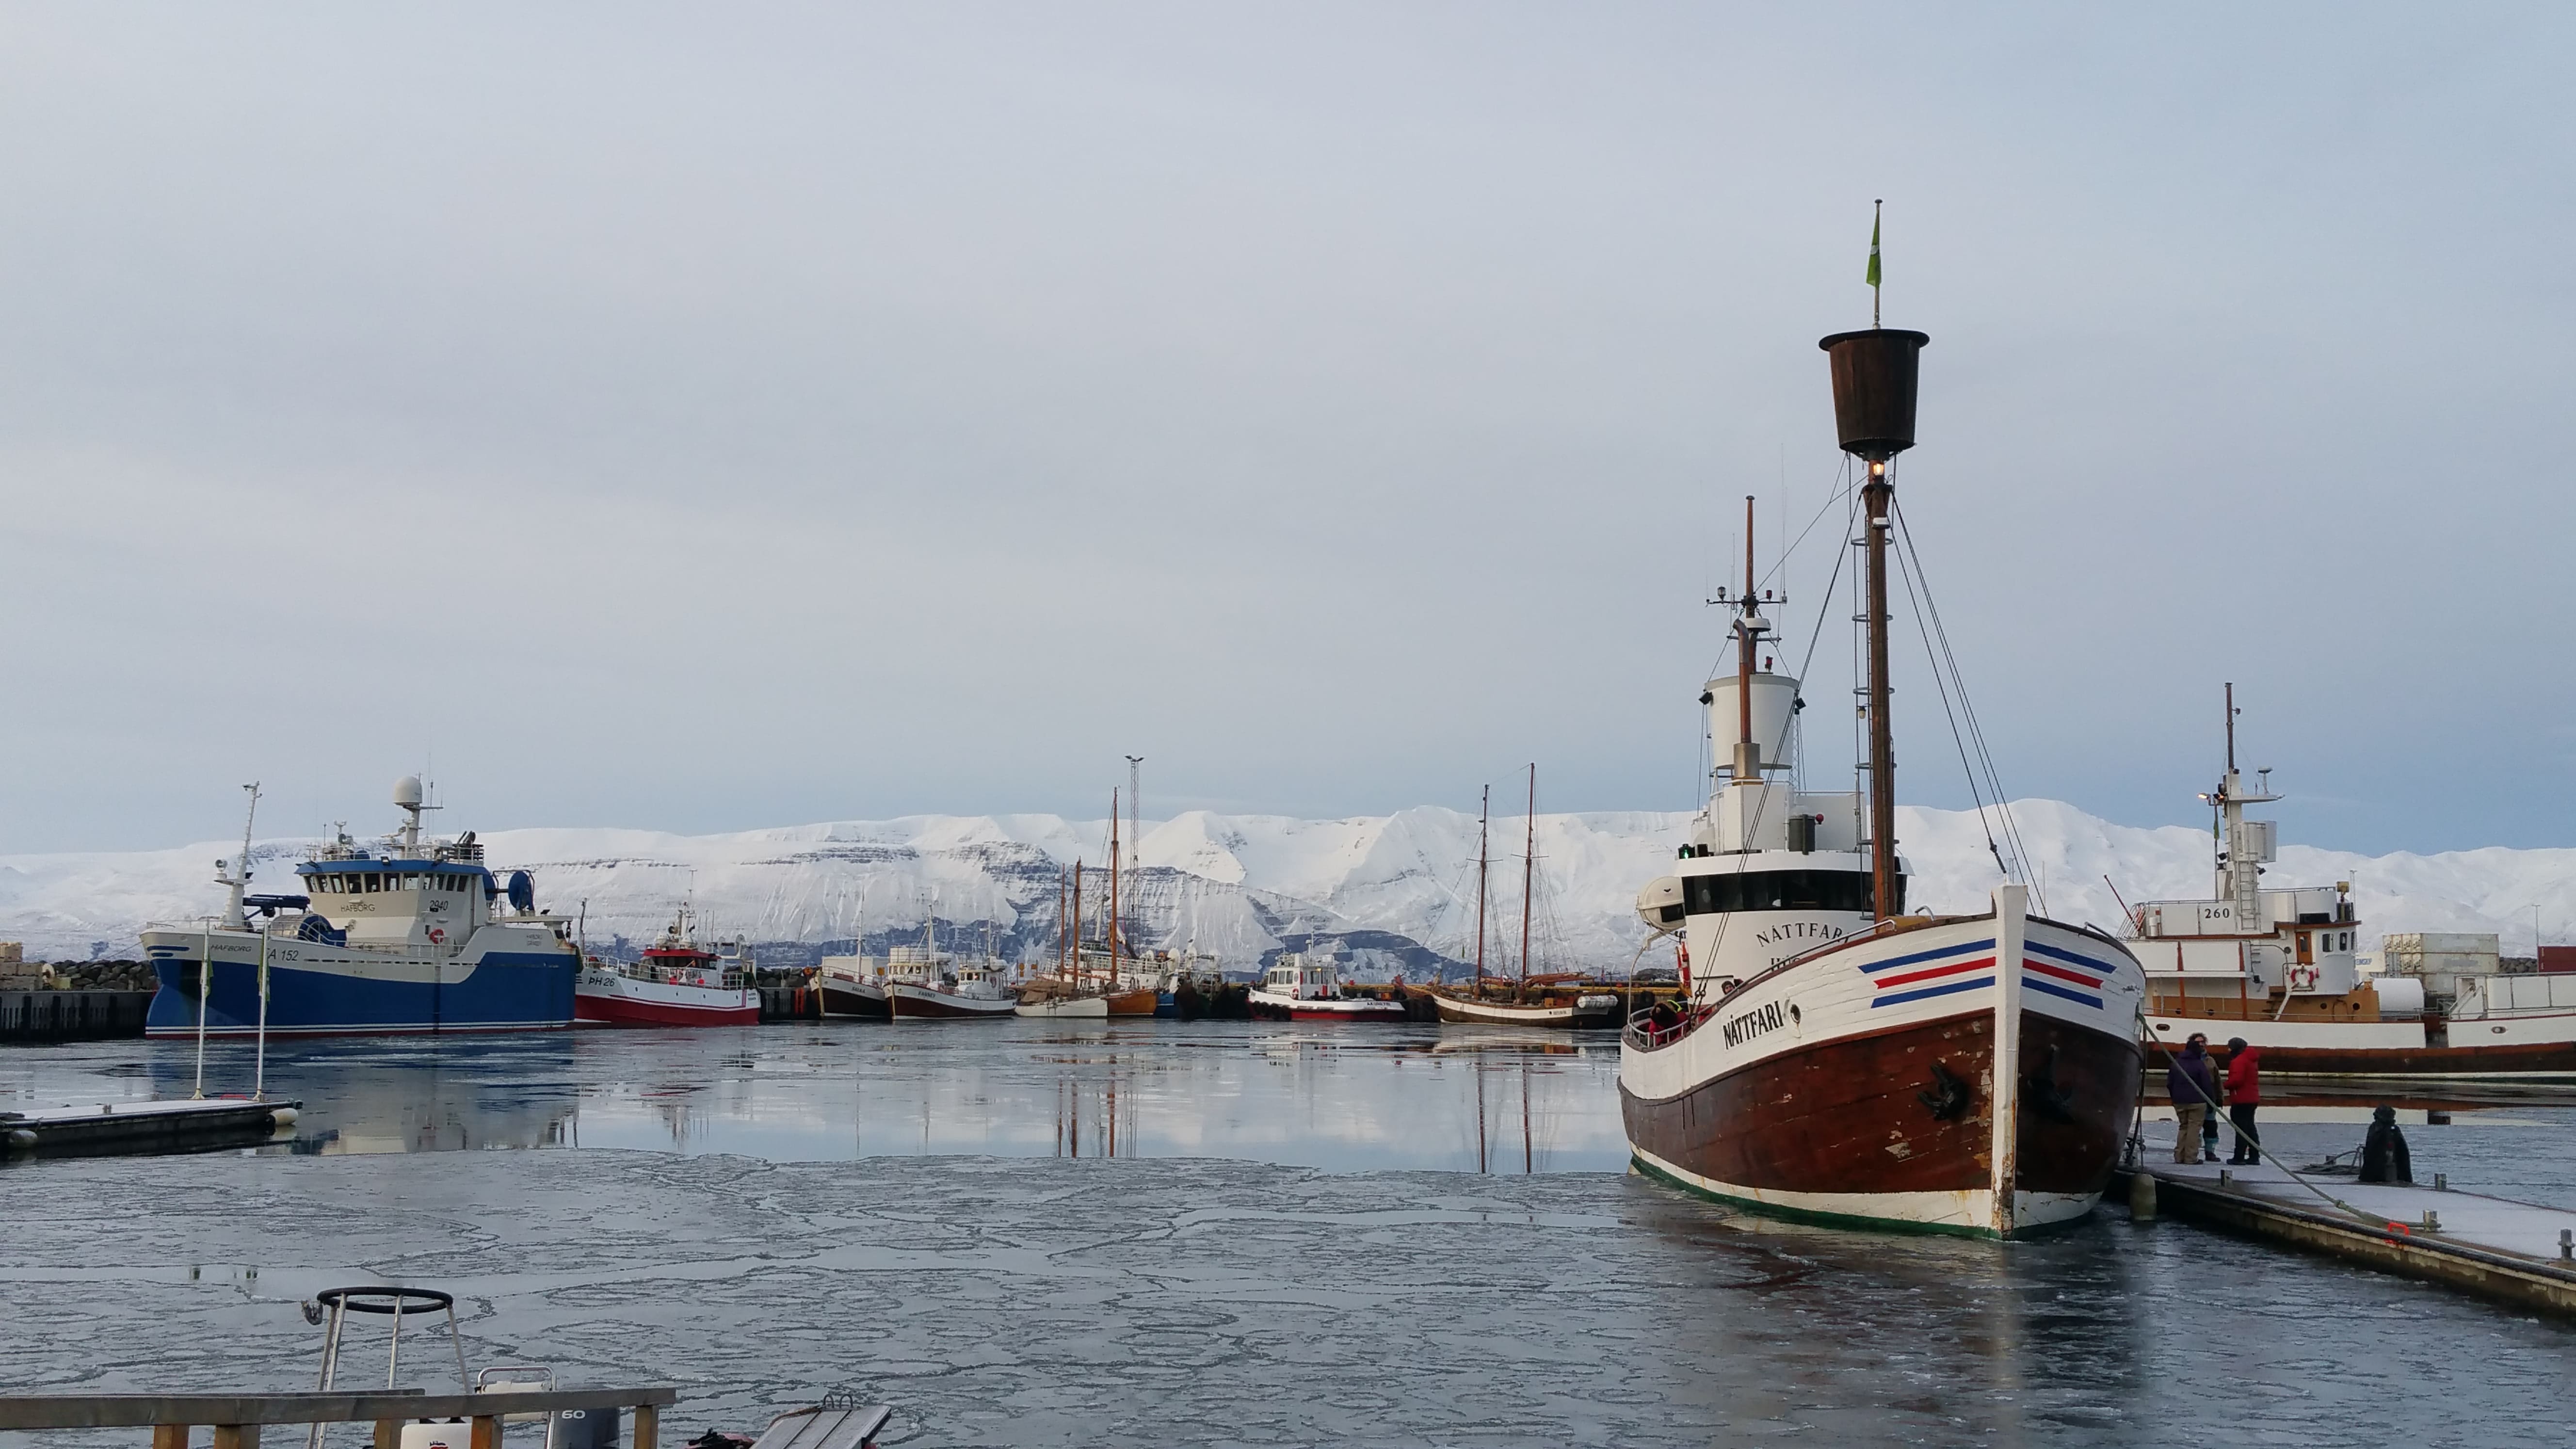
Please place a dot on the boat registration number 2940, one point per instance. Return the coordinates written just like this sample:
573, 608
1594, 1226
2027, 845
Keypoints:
1765, 1018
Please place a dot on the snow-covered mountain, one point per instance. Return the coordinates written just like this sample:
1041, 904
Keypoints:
1398, 890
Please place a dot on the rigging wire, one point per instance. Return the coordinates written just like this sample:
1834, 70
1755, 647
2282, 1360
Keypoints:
1968, 711
1941, 682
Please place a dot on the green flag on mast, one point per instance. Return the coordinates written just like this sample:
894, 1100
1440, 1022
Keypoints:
1873, 261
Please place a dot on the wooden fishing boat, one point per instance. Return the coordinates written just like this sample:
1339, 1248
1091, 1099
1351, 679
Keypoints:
973, 993
1563, 1001
1832, 1057
853, 986
1587, 1006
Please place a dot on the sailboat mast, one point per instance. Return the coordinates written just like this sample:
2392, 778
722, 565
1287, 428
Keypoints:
1113, 884
1877, 502
1529, 869
1059, 922
1077, 920
1484, 824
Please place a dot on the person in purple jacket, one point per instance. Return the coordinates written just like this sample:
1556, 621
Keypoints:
2192, 1086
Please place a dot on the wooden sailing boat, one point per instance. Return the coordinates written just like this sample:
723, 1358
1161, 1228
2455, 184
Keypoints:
1564, 1001
1064, 994
1101, 980
1834, 1058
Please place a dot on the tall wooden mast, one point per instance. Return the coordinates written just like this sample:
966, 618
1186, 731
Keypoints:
1877, 497
1484, 821
1113, 886
1529, 871
1875, 374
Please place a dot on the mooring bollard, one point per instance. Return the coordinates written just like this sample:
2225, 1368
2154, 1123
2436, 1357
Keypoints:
2142, 1199
2566, 1245
2432, 1221
2441, 1182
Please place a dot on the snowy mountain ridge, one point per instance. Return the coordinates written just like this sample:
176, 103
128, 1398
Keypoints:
1398, 890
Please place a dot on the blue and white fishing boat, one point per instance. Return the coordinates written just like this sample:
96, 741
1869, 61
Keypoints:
411, 935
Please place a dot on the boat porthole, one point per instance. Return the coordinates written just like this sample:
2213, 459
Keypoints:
2496, 1029
1793, 1013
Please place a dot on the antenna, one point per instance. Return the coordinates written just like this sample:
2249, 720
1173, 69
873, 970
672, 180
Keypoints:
2232, 712
237, 877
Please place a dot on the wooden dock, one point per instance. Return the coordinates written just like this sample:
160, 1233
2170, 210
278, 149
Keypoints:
238, 1418
94, 1129
2513, 1252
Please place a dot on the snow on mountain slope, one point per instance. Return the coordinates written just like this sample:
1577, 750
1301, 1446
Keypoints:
1238, 886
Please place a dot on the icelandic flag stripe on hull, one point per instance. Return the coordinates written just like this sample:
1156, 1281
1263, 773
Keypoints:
1921, 974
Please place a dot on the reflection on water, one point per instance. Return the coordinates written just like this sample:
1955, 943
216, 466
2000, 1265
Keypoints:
1344, 1098
1019, 1233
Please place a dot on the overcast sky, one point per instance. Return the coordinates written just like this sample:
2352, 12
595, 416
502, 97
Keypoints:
708, 417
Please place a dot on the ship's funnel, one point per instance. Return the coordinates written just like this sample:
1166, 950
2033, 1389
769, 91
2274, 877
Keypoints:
1874, 377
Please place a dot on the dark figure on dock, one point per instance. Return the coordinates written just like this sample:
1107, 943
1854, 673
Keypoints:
2192, 1087
2383, 1152
2244, 1093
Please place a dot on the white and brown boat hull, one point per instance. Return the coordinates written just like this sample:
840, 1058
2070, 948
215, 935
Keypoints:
1559, 1014
1092, 1008
910, 1001
1905, 1079
843, 996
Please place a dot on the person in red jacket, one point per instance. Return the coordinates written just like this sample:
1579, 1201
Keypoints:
2244, 1093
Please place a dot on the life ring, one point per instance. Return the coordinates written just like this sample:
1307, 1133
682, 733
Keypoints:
2303, 978
437, 935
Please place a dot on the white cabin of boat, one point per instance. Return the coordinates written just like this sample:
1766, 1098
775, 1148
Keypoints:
2251, 953
1770, 871
1303, 978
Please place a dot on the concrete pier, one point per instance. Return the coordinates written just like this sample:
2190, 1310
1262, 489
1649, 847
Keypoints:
2513, 1252
72, 1015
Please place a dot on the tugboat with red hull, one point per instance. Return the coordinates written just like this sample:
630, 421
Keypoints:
1832, 1058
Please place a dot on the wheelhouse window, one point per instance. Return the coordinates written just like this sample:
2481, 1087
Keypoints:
1783, 890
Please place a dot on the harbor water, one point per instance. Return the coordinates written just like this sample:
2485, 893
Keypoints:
1197, 1233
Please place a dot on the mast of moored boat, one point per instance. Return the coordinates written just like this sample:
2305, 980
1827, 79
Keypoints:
1748, 755
1529, 870
1484, 824
1877, 501
1077, 921
1112, 980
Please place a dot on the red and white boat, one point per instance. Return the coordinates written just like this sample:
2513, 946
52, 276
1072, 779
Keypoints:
677, 983
1304, 988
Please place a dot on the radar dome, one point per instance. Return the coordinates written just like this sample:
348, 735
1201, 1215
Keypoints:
407, 791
